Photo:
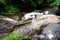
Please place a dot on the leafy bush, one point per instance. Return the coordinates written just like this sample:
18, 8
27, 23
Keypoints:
13, 6
56, 3
10, 9
15, 37
23, 5
2, 1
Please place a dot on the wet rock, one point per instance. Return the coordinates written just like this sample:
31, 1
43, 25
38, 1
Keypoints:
30, 28
44, 20
25, 30
50, 32
5, 28
36, 24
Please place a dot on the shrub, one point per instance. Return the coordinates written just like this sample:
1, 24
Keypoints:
10, 9
55, 3
13, 6
15, 37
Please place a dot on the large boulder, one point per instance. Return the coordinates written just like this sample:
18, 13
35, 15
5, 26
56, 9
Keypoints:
44, 20
36, 24
31, 27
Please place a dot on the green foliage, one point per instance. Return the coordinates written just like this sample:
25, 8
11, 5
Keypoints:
11, 9
20, 5
49, 2
2, 1
13, 6
15, 37
56, 3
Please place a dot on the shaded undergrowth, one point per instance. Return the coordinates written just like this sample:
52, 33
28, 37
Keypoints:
16, 37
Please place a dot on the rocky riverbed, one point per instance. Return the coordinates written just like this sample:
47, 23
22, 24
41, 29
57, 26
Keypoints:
33, 28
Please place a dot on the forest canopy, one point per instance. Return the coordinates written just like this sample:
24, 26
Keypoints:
14, 6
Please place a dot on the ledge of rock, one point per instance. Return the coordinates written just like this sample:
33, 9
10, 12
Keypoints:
31, 27
36, 25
